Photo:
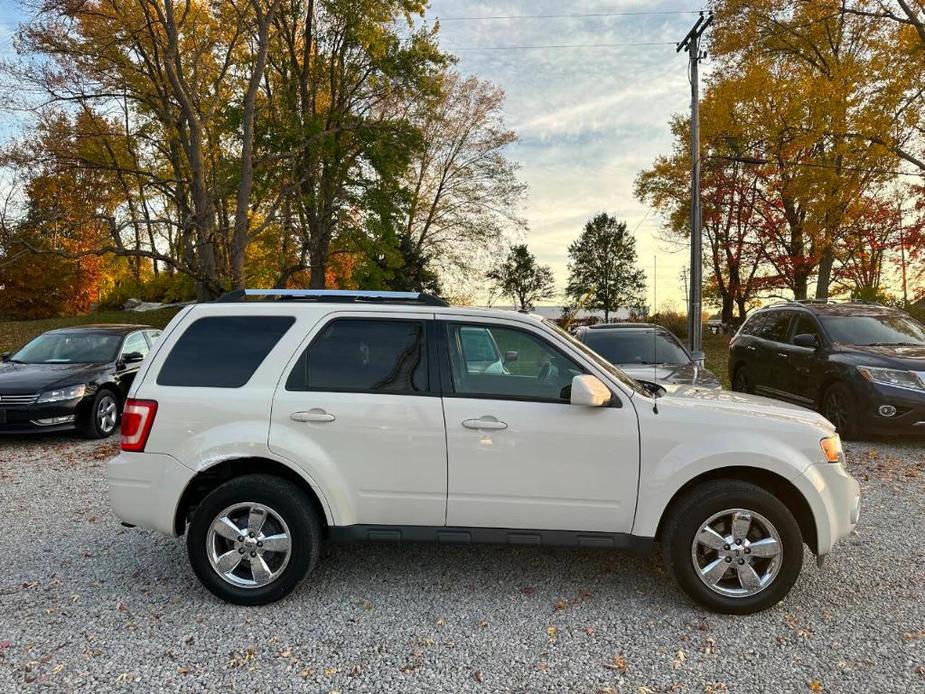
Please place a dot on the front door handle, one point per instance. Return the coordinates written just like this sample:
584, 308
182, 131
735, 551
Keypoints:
782, 355
486, 422
316, 414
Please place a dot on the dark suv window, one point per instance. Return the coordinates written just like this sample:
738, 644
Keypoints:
806, 325
776, 326
366, 356
222, 351
753, 324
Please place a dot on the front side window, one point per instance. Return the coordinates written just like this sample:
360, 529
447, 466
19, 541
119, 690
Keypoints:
633, 346
805, 325
222, 351
524, 366
135, 342
364, 355
69, 348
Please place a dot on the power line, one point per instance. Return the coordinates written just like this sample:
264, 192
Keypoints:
560, 45
570, 15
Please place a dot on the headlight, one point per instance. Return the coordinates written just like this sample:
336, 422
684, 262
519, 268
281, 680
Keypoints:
68, 393
909, 380
831, 448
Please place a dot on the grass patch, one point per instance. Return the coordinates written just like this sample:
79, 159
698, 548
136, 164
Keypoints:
14, 334
716, 349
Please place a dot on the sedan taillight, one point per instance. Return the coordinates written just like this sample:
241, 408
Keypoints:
137, 419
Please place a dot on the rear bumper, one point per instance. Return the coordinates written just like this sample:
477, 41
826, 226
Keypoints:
835, 499
145, 489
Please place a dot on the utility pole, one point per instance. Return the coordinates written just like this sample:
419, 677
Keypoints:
691, 44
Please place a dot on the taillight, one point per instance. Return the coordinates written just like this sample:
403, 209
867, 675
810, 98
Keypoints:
137, 418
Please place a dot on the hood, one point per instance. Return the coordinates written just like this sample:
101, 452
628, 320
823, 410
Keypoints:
665, 374
23, 379
910, 357
743, 405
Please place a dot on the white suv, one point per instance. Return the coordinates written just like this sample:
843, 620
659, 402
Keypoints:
262, 427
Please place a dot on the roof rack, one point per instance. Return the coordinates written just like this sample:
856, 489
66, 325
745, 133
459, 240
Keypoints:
340, 296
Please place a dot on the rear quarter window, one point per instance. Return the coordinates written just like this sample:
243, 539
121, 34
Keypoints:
222, 351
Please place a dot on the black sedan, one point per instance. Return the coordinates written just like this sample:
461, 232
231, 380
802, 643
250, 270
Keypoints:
72, 378
860, 365
647, 352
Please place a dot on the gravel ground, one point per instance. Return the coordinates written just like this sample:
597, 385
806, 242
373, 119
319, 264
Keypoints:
88, 605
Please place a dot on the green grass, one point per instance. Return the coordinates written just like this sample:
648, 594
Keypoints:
14, 334
716, 349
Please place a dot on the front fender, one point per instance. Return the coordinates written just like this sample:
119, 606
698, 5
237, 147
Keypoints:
668, 467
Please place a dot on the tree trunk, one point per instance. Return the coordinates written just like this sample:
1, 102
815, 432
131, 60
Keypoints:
824, 278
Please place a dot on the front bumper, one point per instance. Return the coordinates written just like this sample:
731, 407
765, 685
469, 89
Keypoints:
835, 500
37, 418
145, 489
909, 405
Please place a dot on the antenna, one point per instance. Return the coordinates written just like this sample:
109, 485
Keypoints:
654, 336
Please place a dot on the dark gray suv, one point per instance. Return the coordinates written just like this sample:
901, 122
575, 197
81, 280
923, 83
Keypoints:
861, 365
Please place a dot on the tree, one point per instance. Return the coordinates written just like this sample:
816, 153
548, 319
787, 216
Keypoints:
520, 277
602, 266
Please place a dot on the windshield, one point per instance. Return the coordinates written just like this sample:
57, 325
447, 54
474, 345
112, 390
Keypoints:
69, 348
892, 329
626, 380
632, 346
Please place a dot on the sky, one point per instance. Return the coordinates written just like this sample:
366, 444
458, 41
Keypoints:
588, 119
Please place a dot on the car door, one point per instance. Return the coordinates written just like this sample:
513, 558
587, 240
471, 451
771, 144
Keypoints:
802, 376
519, 455
359, 409
127, 369
774, 332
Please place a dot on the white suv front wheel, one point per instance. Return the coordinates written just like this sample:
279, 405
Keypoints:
253, 538
733, 547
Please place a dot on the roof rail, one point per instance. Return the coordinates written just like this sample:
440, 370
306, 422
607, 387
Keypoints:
345, 296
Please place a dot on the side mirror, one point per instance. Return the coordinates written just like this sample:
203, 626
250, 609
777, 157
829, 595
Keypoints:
5, 356
698, 358
132, 357
511, 356
589, 391
806, 340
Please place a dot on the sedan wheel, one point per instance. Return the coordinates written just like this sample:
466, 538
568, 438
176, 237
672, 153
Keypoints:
107, 414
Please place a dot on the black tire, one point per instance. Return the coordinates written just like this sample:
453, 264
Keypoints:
741, 382
288, 503
838, 406
689, 513
91, 425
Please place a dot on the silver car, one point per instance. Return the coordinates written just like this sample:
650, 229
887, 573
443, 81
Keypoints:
647, 352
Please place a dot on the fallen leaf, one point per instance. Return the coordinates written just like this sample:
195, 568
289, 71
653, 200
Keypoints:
815, 686
679, 659
478, 677
552, 633
618, 662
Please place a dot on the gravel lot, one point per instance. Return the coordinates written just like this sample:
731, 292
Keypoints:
88, 605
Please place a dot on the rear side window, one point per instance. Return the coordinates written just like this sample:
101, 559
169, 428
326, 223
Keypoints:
753, 324
776, 326
365, 356
222, 351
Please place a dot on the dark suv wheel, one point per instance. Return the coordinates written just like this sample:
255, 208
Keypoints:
732, 546
253, 538
838, 407
741, 380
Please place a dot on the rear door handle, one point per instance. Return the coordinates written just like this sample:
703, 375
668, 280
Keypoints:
750, 348
782, 355
484, 423
316, 414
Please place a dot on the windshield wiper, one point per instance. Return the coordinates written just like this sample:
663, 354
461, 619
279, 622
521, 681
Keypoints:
895, 344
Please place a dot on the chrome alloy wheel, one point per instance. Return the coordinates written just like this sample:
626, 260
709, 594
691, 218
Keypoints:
107, 412
737, 552
249, 545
